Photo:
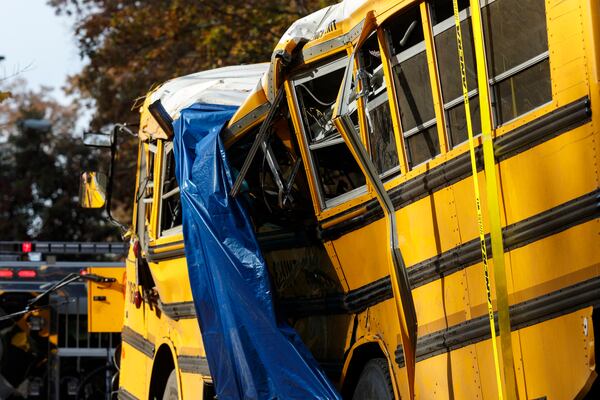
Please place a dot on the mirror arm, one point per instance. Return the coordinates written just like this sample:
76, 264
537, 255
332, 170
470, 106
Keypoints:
111, 173
125, 128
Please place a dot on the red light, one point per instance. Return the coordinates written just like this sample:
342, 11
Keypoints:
26, 247
6, 274
136, 248
27, 273
137, 299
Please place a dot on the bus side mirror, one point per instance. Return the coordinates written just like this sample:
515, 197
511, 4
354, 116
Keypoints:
98, 139
92, 189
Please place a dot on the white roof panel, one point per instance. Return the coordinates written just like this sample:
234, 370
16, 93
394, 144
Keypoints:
225, 86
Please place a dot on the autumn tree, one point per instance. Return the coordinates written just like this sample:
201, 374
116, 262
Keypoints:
132, 45
39, 168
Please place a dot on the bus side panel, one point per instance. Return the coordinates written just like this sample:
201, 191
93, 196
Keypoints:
134, 364
134, 371
559, 356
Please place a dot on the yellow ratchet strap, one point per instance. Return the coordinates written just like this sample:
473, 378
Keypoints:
493, 204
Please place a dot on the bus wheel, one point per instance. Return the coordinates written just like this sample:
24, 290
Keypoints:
374, 382
171, 392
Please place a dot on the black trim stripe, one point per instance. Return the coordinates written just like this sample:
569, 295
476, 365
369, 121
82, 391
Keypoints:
268, 241
519, 234
154, 256
193, 365
166, 255
543, 128
123, 394
353, 302
522, 315
179, 310
512, 143
577, 211
163, 245
137, 341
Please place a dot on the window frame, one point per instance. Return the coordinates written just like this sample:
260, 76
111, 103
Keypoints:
167, 146
151, 150
339, 61
449, 23
381, 95
395, 60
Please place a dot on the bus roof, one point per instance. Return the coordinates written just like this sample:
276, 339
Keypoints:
224, 86
325, 30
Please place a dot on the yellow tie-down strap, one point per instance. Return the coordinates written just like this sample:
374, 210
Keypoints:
507, 390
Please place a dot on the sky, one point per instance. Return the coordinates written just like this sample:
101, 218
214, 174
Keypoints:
39, 43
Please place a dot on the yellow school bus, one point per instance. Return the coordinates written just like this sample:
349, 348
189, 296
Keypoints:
162, 352
381, 273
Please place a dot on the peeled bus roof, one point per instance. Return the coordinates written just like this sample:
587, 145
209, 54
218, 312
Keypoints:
234, 85
227, 86
308, 26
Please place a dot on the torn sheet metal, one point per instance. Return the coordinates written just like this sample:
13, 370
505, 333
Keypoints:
227, 85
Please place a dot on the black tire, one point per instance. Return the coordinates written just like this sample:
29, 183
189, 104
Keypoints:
375, 382
171, 392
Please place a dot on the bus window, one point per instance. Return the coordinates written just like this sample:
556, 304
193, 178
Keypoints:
382, 142
338, 175
170, 201
449, 70
145, 192
517, 56
410, 70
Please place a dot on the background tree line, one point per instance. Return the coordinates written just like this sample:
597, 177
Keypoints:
129, 46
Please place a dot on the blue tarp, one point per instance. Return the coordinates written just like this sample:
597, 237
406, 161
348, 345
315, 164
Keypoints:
251, 355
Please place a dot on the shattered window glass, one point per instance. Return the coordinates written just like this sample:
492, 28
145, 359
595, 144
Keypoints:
338, 175
170, 207
380, 131
412, 79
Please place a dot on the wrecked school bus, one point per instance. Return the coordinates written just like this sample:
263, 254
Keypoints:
350, 154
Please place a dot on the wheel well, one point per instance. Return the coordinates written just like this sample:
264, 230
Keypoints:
360, 356
161, 369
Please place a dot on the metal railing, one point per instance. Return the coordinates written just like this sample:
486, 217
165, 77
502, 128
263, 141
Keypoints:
77, 355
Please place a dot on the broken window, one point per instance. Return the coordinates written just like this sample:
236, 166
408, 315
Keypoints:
170, 201
274, 189
382, 142
145, 190
411, 73
338, 175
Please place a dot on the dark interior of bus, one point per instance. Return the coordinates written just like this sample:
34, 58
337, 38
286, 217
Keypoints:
285, 223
